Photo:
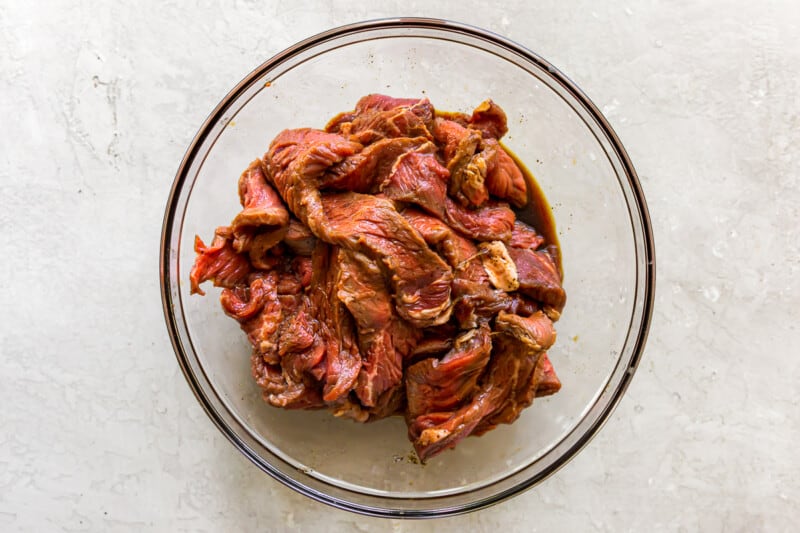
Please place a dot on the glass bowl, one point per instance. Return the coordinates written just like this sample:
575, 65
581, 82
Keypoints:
603, 227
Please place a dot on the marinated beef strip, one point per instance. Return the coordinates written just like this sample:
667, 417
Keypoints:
473, 297
380, 117
366, 170
525, 339
525, 237
493, 221
422, 107
301, 346
384, 338
467, 168
299, 238
548, 382
477, 163
504, 179
343, 360
218, 262
490, 119
258, 310
418, 178
264, 220
420, 279
539, 277
365, 223
280, 390
435, 385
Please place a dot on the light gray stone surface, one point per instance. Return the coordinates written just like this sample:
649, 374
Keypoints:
99, 101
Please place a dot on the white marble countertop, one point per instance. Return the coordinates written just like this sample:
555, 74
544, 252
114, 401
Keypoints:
99, 101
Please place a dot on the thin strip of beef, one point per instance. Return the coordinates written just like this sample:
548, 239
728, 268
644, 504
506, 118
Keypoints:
432, 433
526, 339
418, 178
514, 375
504, 178
493, 221
343, 361
467, 168
375, 120
535, 331
539, 277
435, 385
548, 382
243, 303
264, 219
385, 339
280, 391
490, 119
420, 278
525, 237
473, 297
259, 312
299, 238
381, 102
435, 342
218, 262
295, 162
301, 347
365, 171
478, 302
361, 223
342, 120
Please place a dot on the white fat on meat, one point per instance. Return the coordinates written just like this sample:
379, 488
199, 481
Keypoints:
499, 266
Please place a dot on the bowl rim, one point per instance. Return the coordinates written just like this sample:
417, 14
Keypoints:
648, 298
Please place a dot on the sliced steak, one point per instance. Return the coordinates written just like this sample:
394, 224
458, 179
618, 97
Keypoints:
380, 117
384, 338
299, 238
296, 160
218, 262
535, 331
435, 385
490, 119
420, 279
380, 102
525, 237
504, 179
280, 391
368, 169
467, 169
264, 220
539, 277
473, 297
547, 382
492, 222
337, 328
420, 179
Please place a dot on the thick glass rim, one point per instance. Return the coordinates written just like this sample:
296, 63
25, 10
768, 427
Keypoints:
594, 416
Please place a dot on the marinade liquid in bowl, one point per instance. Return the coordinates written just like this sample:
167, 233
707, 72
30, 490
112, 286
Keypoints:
603, 232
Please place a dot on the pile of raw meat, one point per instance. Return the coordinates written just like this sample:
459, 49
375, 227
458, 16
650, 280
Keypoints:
378, 269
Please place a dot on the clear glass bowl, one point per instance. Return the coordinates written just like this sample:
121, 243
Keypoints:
602, 222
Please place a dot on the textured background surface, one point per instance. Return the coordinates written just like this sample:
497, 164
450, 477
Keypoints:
99, 101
